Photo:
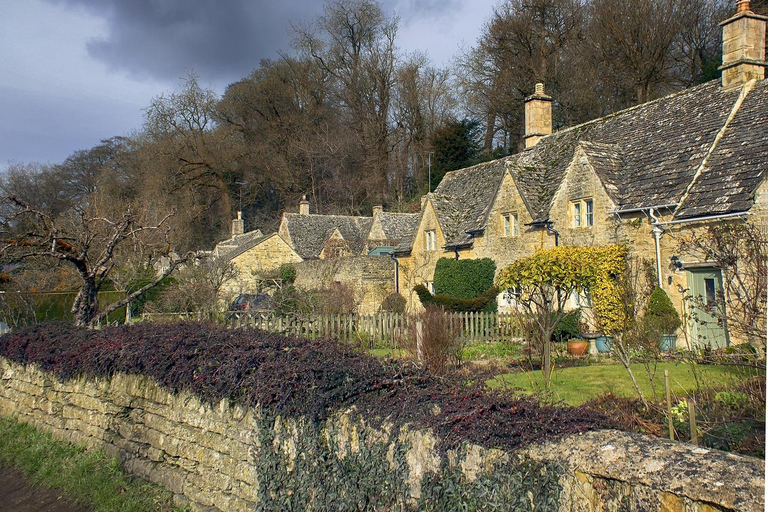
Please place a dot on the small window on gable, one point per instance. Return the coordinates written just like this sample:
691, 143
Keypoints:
511, 226
583, 213
430, 240
576, 214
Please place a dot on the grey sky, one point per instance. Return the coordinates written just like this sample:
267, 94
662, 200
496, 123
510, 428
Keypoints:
73, 72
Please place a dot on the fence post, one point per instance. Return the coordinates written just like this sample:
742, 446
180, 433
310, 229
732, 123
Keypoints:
419, 341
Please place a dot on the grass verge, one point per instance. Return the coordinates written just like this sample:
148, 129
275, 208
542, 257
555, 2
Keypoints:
580, 384
88, 477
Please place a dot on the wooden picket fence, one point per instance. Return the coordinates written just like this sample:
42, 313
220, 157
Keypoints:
382, 329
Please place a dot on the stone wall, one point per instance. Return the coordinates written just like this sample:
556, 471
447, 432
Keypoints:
221, 457
371, 277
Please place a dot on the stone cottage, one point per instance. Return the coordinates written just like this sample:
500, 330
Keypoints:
644, 177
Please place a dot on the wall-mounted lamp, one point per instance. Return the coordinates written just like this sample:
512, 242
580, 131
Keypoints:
676, 263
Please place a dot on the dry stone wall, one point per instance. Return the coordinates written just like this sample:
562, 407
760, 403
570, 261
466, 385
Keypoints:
221, 457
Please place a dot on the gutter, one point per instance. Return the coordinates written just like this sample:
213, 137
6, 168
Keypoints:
397, 271
705, 218
644, 208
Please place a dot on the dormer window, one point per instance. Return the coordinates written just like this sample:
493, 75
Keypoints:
511, 224
430, 240
583, 213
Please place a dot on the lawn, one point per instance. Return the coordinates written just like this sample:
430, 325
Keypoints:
89, 477
580, 384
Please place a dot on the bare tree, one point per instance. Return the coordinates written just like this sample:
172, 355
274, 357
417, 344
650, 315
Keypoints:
87, 242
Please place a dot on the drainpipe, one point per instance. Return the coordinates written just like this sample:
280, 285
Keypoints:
553, 231
657, 231
397, 271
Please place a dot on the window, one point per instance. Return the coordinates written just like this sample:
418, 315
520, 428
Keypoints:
430, 285
576, 218
581, 299
511, 225
430, 240
583, 213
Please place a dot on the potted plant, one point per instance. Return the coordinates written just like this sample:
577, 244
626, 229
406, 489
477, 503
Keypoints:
662, 318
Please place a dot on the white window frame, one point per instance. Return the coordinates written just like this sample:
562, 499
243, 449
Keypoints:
589, 212
430, 240
511, 224
576, 214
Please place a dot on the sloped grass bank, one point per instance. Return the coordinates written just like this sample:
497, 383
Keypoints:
90, 478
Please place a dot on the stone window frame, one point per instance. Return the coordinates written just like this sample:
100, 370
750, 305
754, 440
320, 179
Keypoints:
511, 224
430, 240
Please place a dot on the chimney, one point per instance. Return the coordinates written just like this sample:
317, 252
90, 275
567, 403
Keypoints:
304, 206
377, 210
538, 116
238, 226
743, 47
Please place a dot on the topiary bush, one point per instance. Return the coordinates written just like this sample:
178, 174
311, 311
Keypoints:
568, 327
456, 305
661, 315
287, 273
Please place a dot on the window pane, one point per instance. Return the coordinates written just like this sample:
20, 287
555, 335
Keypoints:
590, 212
517, 226
577, 214
506, 225
710, 290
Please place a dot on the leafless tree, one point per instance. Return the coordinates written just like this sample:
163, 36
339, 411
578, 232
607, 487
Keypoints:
87, 242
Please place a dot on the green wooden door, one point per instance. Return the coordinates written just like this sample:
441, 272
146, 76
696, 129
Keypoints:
706, 286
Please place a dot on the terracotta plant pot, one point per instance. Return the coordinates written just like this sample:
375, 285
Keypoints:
578, 347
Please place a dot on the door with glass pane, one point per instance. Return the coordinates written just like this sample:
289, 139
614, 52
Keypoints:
706, 287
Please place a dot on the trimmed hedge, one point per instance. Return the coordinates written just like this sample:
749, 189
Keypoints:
463, 279
294, 377
482, 302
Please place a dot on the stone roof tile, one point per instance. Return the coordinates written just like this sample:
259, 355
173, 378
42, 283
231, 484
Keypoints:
308, 233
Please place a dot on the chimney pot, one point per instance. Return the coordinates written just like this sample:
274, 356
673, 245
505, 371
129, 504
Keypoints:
743, 47
238, 226
538, 116
304, 206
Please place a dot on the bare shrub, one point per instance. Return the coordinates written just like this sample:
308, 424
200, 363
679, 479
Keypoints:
433, 340
336, 299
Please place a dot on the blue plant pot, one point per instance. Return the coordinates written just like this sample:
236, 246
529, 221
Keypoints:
603, 344
668, 343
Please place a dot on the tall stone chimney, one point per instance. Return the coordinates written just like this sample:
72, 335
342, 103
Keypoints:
538, 116
743, 47
378, 209
238, 225
304, 206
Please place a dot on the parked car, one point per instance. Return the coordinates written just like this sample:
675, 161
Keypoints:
247, 302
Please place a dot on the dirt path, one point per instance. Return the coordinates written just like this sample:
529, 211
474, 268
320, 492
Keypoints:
16, 495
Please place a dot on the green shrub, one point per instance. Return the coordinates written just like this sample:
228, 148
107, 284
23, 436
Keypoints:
568, 328
463, 279
484, 302
287, 273
661, 315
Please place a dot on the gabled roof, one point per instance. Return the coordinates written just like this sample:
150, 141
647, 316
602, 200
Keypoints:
250, 245
463, 199
737, 166
399, 226
308, 233
237, 243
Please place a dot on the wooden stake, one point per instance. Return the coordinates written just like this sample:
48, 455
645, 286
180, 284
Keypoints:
669, 406
692, 417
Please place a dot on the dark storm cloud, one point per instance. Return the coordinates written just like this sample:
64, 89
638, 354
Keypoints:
221, 40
